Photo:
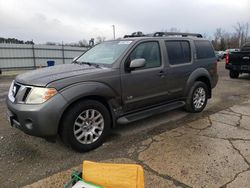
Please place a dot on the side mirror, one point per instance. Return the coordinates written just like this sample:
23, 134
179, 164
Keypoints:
137, 63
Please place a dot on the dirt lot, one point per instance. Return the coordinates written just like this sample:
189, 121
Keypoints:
210, 149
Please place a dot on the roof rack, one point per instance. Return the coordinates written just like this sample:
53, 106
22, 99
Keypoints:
162, 34
135, 34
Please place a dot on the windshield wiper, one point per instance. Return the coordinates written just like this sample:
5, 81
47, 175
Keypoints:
87, 63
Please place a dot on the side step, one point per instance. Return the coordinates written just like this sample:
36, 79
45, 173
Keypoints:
149, 112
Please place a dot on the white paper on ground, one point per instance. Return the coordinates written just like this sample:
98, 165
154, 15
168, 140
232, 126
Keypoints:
81, 184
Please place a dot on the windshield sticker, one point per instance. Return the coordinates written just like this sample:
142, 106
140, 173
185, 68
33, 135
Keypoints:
125, 42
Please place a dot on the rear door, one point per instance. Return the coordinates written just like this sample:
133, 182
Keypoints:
180, 66
144, 86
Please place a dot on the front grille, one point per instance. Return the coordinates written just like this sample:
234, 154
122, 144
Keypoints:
19, 92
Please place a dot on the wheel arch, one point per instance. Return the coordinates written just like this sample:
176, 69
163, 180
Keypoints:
205, 80
202, 75
89, 91
100, 99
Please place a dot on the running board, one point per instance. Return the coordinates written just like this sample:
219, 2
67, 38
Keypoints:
149, 112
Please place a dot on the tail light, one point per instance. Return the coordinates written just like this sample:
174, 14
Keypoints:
227, 58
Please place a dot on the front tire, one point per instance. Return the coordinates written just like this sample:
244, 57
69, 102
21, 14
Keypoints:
234, 74
197, 97
85, 125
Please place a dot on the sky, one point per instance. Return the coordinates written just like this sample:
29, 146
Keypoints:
73, 20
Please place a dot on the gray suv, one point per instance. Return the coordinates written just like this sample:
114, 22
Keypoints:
115, 82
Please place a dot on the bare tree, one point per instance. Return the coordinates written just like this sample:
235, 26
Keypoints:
241, 30
219, 39
50, 43
204, 35
100, 39
246, 37
83, 43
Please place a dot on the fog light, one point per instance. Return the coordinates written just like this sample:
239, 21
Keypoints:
28, 124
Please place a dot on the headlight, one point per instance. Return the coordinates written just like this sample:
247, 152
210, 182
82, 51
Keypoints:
39, 95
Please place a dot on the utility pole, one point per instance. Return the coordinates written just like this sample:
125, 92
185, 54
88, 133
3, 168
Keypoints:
63, 55
33, 53
113, 31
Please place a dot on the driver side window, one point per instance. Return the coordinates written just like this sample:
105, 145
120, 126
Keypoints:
150, 51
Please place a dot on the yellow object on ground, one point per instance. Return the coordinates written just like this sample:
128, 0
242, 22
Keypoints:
114, 175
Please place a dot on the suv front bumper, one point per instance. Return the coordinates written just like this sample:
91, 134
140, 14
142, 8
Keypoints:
41, 120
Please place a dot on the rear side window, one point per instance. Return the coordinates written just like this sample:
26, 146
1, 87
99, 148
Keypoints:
204, 49
178, 52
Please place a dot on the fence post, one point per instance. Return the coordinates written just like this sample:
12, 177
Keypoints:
34, 57
63, 53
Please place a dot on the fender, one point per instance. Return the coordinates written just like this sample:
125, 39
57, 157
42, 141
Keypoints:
84, 89
200, 72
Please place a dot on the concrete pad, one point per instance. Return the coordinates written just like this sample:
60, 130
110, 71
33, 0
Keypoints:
242, 181
156, 181
229, 112
196, 161
244, 148
245, 122
244, 110
221, 130
180, 131
200, 123
247, 102
226, 118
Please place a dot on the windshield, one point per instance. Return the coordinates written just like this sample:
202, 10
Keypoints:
105, 53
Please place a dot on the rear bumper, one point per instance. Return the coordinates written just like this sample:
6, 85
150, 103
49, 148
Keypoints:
238, 68
37, 120
232, 67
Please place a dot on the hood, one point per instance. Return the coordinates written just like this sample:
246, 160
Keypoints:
44, 76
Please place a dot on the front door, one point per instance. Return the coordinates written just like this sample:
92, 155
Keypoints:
144, 86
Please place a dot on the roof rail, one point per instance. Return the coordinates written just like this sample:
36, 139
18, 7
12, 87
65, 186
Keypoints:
135, 34
161, 34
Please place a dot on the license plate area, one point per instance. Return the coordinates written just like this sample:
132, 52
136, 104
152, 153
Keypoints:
245, 67
11, 118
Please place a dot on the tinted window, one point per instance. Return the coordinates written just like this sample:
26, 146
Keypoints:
178, 52
204, 49
150, 51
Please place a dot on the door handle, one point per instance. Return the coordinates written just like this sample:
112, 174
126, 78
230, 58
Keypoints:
161, 74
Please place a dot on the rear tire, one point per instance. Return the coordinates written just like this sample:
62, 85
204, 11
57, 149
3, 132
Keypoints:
85, 125
234, 74
197, 97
